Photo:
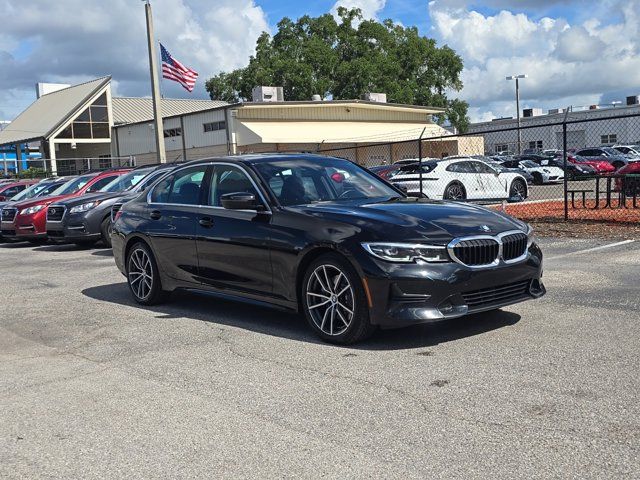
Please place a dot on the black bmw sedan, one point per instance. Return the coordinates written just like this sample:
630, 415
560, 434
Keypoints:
325, 237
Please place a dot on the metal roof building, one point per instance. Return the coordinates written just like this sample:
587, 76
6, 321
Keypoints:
76, 122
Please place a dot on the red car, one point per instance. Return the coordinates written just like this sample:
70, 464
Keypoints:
631, 180
600, 166
28, 220
9, 189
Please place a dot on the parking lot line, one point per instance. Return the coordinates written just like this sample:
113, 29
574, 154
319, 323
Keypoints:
594, 249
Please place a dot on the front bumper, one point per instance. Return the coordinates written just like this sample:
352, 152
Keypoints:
71, 231
16, 232
414, 294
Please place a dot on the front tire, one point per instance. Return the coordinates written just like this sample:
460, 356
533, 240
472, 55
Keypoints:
334, 301
143, 276
105, 231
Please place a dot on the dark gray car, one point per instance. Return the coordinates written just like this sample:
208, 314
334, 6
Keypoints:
86, 219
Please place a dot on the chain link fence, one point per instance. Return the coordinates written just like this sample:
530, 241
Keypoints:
570, 168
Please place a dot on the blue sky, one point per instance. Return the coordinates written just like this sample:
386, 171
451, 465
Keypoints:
576, 52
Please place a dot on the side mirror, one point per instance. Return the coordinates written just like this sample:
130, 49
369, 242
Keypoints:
239, 201
401, 187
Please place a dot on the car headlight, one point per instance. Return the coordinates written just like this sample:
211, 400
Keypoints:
31, 210
84, 207
530, 236
407, 252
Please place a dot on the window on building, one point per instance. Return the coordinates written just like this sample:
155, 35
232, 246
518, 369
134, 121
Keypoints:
535, 145
609, 139
214, 126
93, 122
172, 132
502, 148
104, 162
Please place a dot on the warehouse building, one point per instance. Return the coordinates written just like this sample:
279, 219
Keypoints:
280, 126
591, 126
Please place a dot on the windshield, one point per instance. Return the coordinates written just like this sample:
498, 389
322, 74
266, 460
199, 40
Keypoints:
30, 192
72, 186
610, 151
127, 181
300, 181
152, 177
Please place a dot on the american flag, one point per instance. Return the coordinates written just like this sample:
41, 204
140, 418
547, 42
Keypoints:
174, 70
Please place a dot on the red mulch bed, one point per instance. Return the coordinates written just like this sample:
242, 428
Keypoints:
548, 219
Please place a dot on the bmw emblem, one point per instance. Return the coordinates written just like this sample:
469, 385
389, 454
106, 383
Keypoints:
485, 228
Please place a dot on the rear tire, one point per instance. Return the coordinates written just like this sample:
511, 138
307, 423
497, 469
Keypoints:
455, 191
334, 301
105, 231
143, 276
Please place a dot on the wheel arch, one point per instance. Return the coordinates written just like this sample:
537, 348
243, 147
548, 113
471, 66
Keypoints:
308, 257
524, 182
453, 182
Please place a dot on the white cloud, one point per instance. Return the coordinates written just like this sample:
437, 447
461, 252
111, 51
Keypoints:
567, 64
75, 40
370, 8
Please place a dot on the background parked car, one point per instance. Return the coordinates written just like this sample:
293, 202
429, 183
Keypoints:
540, 174
573, 171
498, 163
87, 219
385, 171
630, 183
26, 220
600, 166
462, 179
10, 189
633, 150
607, 154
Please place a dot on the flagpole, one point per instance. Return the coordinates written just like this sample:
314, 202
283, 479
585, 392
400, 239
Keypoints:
153, 69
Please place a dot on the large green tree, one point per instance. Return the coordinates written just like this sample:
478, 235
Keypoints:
345, 59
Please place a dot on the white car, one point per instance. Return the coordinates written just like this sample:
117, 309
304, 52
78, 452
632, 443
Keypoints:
541, 173
462, 179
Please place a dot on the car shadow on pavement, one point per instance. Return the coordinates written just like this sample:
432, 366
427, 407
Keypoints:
275, 322
10, 245
63, 247
103, 252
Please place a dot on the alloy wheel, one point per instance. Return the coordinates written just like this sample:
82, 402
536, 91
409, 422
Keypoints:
330, 299
455, 192
518, 190
140, 273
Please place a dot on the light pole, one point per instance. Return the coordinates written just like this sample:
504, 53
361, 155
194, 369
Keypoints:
517, 78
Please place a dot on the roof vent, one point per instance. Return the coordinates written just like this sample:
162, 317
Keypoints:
633, 100
531, 112
375, 97
267, 94
554, 111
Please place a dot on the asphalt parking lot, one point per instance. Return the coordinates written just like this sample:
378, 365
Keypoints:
94, 386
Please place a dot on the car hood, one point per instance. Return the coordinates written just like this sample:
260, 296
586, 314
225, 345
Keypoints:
414, 220
39, 201
89, 197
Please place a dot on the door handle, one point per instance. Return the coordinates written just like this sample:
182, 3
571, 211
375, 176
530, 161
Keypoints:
155, 215
206, 222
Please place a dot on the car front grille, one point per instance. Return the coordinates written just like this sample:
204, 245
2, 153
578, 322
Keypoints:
498, 295
514, 246
476, 252
55, 213
9, 214
114, 210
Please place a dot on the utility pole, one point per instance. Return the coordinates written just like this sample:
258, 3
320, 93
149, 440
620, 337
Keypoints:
155, 89
517, 79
